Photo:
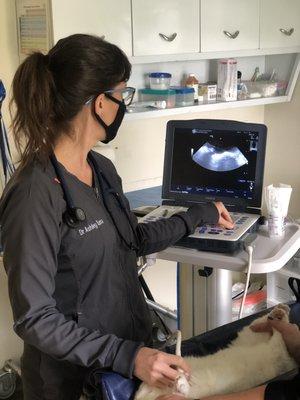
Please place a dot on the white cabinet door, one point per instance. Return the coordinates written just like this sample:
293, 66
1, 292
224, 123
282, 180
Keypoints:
109, 18
280, 23
229, 25
165, 27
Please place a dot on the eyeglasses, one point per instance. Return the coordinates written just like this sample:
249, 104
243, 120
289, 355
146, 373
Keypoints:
127, 94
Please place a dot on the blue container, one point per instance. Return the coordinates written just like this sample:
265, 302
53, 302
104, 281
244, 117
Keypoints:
184, 96
160, 80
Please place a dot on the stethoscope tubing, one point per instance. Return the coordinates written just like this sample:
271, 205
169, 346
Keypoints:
105, 191
110, 190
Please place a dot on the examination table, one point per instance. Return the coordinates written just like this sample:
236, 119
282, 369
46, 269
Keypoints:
112, 386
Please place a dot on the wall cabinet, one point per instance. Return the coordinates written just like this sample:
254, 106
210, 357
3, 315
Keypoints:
229, 25
280, 23
165, 27
108, 18
189, 36
174, 29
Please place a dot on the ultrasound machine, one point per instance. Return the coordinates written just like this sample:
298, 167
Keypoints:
214, 160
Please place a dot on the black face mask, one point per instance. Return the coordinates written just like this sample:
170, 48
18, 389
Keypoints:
112, 129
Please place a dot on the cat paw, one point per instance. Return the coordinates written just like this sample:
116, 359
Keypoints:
280, 312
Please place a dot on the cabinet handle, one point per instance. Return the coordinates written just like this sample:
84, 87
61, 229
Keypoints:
232, 35
287, 32
168, 38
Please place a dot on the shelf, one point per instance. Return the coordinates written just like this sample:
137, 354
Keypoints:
223, 105
269, 254
206, 107
211, 55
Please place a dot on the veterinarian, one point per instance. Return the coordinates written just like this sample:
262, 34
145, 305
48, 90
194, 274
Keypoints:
280, 390
70, 242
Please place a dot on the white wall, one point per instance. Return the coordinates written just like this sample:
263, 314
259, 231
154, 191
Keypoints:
8, 45
282, 163
140, 144
10, 345
134, 166
283, 147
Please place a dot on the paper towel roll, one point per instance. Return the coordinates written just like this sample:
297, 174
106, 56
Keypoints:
278, 199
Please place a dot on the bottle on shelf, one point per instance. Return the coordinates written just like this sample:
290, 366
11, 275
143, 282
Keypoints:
227, 80
193, 82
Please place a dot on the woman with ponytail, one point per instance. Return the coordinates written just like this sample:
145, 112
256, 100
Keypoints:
70, 241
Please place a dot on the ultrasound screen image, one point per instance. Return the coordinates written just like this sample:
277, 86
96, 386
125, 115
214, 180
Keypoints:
214, 162
219, 159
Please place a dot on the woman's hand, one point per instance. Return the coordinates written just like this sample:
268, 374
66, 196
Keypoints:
225, 218
157, 368
290, 334
170, 397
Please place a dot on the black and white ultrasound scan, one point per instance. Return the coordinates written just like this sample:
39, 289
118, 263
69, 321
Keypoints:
217, 158
214, 162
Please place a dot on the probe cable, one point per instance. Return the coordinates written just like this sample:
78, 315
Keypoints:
249, 250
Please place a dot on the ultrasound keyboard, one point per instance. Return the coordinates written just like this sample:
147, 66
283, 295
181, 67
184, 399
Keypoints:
210, 237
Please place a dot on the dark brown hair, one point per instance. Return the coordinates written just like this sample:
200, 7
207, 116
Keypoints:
49, 90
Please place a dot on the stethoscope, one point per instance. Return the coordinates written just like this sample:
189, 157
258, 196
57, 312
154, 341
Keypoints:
294, 284
74, 216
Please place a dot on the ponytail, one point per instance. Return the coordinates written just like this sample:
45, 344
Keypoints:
32, 122
50, 90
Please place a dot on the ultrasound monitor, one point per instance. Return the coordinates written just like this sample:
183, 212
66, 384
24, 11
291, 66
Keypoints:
215, 160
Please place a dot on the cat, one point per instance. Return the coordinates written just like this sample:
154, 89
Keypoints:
250, 360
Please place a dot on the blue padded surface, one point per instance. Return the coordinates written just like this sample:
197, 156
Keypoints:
144, 197
116, 387
218, 338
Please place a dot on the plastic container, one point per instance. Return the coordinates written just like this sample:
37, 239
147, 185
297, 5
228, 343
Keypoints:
207, 92
193, 82
281, 88
160, 80
227, 80
184, 96
168, 95
259, 89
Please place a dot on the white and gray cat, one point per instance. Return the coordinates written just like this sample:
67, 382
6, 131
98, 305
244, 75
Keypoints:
250, 360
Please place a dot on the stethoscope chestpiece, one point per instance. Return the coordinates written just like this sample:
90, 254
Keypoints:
74, 216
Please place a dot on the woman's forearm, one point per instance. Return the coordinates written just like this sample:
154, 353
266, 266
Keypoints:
253, 394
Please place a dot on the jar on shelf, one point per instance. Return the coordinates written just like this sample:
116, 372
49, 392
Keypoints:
167, 95
193, 82
184, 95
160, 80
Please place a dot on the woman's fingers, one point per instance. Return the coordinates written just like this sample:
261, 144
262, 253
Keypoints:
262, 327
225, 219
170, 397
226, 224
170, 373
178, 362
157, 368
226, 215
